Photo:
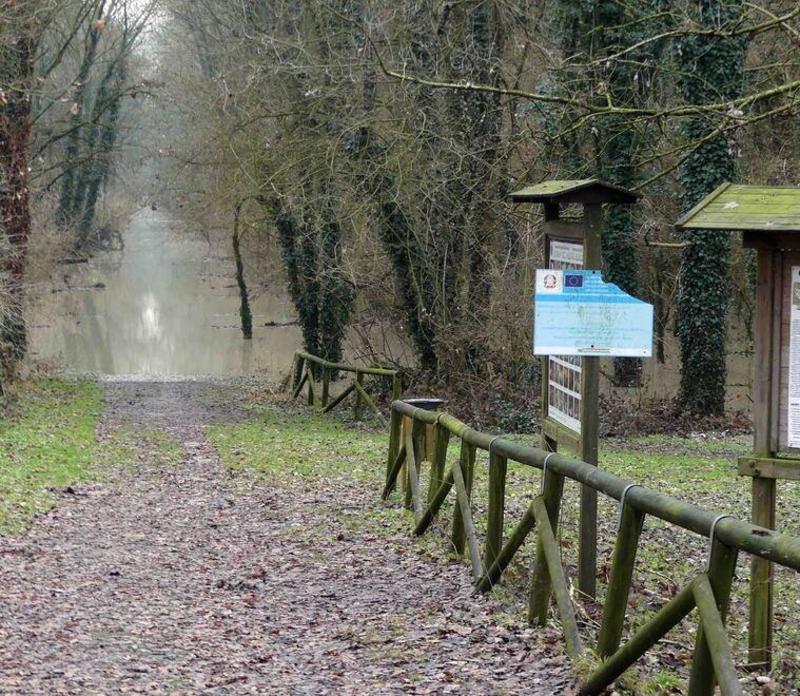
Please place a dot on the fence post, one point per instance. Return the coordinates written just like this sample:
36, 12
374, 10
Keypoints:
721, 569
397, 387
619, 584
395, 425
761, 579
297, 370
466, 461
498, 467
326, 386
539, 597
414, 458
312, 397
441, 439
301, 378
358, 401
722, 668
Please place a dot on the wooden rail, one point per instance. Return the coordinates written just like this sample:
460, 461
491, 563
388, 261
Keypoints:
709, 591
315, 373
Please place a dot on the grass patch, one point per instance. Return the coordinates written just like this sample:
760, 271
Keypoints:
286, 444
291, 447
47, 442
125, 447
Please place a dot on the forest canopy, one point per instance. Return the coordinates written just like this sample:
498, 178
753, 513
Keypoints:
365, 150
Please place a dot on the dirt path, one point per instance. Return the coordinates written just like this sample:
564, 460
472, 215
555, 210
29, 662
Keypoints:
184, 579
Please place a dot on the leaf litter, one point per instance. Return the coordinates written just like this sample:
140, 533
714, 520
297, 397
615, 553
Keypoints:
183, 577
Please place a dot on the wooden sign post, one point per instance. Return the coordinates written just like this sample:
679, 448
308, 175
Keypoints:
769, 218
571, 385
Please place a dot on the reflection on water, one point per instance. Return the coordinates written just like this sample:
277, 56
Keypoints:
150, 317
166, 306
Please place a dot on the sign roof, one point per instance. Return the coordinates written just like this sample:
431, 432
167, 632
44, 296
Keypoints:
574, 191
740, 207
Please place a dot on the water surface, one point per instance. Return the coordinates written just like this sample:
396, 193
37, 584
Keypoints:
166, 306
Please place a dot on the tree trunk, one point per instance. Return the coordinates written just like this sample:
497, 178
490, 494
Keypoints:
101, 142
69, 206
712, 68
245, 313
16, 72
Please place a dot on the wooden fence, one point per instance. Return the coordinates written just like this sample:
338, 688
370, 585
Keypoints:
315, 373
708, 592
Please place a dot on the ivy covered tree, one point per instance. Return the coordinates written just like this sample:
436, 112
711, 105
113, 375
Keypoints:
438, 237
321, 296
69, 205
307, 209
590, 32
712, 71
628, 82
17, 59
101, 142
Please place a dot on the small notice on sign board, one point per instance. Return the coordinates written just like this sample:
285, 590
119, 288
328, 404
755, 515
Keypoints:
793, 409
577, 313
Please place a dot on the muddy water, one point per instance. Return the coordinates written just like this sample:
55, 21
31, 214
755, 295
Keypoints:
166, 306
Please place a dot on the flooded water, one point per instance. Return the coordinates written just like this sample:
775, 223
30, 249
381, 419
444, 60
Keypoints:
167, 306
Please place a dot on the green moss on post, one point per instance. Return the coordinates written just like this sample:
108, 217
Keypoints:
539, 597
441, 442
467, 463
498, 467
619, 583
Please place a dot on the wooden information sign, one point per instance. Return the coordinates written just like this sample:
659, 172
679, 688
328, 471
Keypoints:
570, 385
769, 218
563, 381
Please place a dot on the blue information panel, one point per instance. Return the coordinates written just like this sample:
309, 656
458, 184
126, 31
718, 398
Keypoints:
577, 313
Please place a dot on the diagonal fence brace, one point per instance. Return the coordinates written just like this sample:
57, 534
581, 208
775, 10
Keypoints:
719, 577
391, 477
558, 579
436, 503
300, 385
341, 397
466, 518
510, 548
716, 638
669, 616
368, 401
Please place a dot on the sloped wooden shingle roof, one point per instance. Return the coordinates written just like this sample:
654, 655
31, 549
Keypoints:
574, 191
749, 208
